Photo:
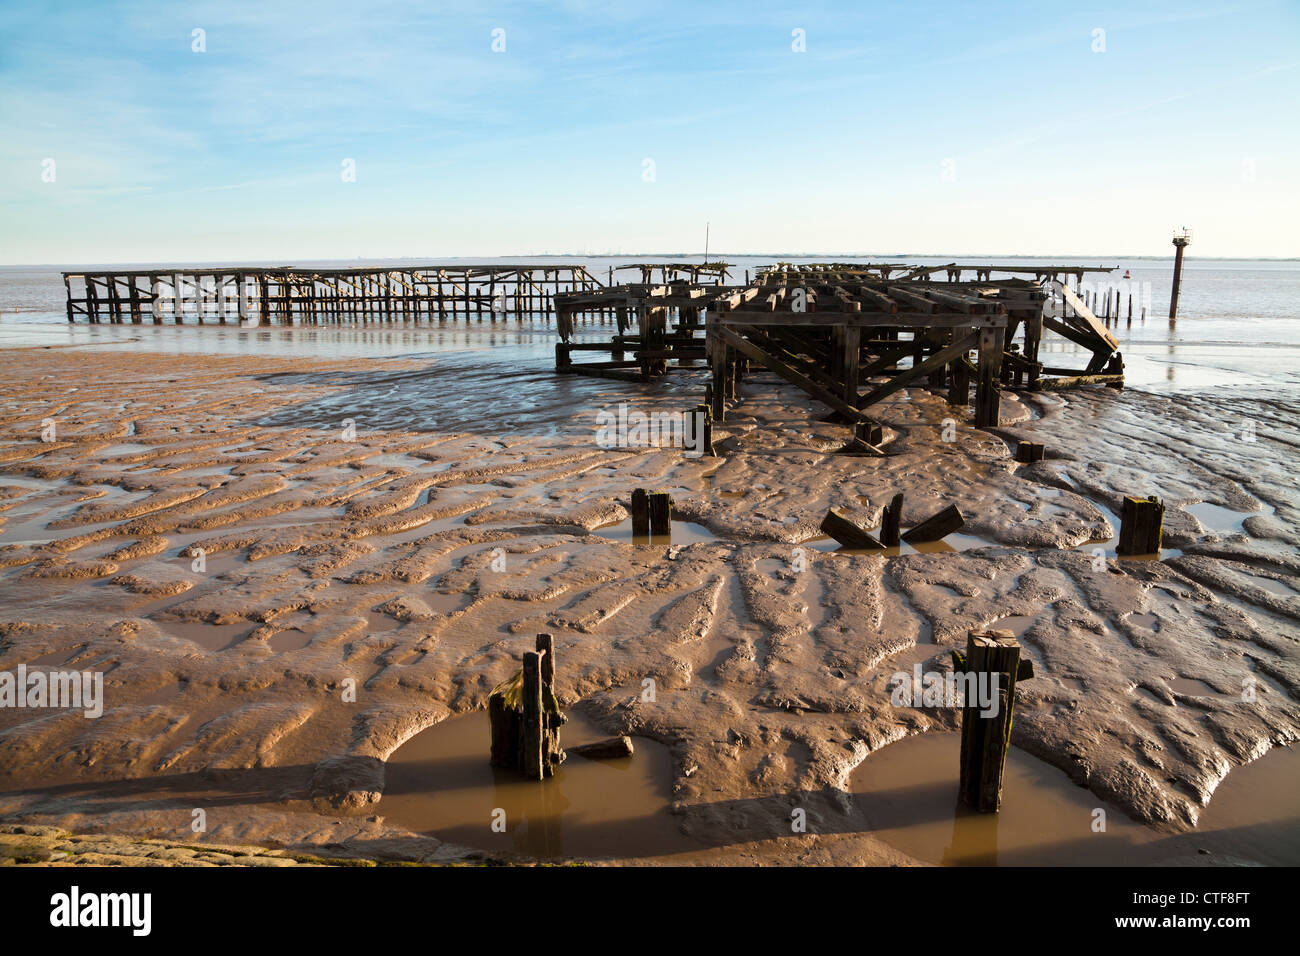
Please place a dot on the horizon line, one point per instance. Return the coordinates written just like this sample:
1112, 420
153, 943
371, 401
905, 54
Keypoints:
680, 256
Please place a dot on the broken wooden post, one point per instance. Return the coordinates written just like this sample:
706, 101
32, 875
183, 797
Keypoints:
531, 731
847, 533
865, 443
610, 749
991, 668
661, 510
1141, 522
640, 512
889, 521
704, 435
870, 432
936, 526
524, 716
545, 646
1028, 452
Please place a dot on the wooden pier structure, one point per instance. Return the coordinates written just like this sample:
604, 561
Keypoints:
848, 334
288, 295
851, 334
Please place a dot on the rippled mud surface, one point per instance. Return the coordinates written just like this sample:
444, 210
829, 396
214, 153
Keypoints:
287, 568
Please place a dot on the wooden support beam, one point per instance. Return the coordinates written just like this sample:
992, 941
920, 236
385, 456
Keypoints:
791, 375
936, 526
848, 533
965, 343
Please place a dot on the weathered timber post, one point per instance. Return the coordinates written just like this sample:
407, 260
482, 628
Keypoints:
990, 668
889, 522
532, 730
704, 437
868, 431
661, 510
1028, 452
959, 381
849, 363
640, 512
987, 397
1141, 522
525, 716
718, 355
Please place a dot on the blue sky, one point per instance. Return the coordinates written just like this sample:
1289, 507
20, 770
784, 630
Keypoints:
903, 127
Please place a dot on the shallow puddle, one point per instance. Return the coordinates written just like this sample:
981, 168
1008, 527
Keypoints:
1216, 518
947, 544
908, 794
440, 782
1192, 687
212, 637
681, 532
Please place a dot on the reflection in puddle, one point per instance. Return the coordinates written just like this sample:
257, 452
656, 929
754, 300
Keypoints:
683, 532
440, 782
908, 792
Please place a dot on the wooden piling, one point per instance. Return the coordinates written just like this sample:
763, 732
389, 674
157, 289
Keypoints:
992, 662
640, 512
889, 521
705, 436
661, 510
988, 399
1141, 525
1028, 451
532, 730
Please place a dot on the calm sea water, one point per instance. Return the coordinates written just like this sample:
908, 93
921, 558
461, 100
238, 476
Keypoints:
1239, 321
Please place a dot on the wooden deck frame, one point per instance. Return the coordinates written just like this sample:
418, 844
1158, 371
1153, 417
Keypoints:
937, 324
294, 295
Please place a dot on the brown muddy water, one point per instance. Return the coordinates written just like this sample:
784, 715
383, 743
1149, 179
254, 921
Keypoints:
907, 793
440, 782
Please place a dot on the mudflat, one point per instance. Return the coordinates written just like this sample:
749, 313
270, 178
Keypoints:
285, 572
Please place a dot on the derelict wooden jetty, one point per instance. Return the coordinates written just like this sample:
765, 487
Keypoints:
835, 329
301, 295
848, 334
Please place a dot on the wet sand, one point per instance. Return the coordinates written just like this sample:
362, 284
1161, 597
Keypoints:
211, 534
